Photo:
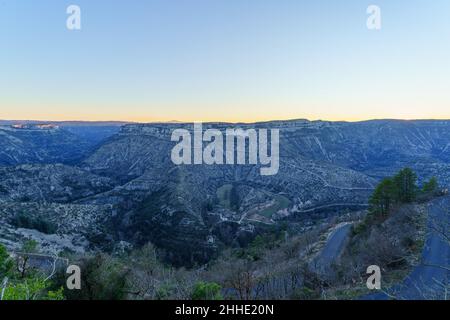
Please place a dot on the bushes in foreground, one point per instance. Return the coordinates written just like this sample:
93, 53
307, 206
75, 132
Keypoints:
18, 281
207, 291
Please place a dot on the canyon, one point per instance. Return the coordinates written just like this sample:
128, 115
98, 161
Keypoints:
121, 190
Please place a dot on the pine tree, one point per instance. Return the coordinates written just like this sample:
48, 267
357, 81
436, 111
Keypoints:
431, 187
406, 186
383, 197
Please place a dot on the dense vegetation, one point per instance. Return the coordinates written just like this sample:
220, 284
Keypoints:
391, 235
276, 264
20, 281
400, 189
393, 192
22, 220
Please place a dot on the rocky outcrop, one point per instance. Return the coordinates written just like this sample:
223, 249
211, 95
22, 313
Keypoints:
49, 183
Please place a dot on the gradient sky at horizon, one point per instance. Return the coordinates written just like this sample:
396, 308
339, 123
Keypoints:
224, 60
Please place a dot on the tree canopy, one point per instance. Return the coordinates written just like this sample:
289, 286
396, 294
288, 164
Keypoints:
401, 188
406, 185
431, 186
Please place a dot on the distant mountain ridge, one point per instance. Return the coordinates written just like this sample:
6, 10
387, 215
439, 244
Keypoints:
66, 123
33, 142
19, 146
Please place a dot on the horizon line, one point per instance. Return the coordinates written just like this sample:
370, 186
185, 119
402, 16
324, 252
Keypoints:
217, 121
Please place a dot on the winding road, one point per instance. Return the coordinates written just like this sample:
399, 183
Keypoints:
429, 280
332, 250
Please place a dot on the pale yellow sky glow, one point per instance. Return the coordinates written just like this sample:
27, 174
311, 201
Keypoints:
226, 113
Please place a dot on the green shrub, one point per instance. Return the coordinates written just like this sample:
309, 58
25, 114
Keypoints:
103, 278
6, 263
431, 186
359, 228
207, 291
163, 293
35, 288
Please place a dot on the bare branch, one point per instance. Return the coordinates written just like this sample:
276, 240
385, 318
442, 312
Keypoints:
4, 284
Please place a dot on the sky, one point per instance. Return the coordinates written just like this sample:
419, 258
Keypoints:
224, 60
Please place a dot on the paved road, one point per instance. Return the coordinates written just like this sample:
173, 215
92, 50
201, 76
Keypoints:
427, 280
332, 249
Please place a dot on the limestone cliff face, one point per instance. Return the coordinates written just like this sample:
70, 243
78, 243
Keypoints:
31, 146
192, 211
323, 165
